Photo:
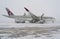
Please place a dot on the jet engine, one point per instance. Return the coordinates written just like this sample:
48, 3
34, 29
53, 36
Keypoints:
19, 21
41, 21
34, 21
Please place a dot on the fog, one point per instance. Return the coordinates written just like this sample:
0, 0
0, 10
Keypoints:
37, 7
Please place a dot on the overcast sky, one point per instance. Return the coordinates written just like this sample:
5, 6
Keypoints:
37, 7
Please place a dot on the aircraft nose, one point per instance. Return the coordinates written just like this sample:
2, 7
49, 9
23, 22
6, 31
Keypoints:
26, 9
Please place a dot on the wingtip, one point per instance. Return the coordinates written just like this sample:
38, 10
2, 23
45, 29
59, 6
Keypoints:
6, 8
26, 9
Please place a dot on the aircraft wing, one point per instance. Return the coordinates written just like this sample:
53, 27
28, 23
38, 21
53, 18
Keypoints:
34, 17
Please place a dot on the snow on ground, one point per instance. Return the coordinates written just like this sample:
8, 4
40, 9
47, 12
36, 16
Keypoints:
29, 31
27, 25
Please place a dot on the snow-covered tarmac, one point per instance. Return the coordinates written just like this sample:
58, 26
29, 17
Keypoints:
29, 31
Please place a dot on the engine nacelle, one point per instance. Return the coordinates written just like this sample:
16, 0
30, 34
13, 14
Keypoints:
32, 21
41, 21
19, 21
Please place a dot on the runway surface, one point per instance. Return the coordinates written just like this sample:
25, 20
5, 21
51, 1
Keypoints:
29, 31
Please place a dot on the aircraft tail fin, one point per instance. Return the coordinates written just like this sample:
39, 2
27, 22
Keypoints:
9, 12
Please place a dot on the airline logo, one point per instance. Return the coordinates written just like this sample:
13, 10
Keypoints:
9, 12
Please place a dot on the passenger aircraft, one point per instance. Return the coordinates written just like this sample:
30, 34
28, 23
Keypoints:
32, 18
40, 19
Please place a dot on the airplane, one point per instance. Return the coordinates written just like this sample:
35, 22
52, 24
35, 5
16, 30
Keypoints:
18, 19
40, 19
22, 19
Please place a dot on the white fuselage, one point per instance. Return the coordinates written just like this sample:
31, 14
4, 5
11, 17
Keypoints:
26, 18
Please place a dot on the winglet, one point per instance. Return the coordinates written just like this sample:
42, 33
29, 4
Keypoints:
26, 9
42, 16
